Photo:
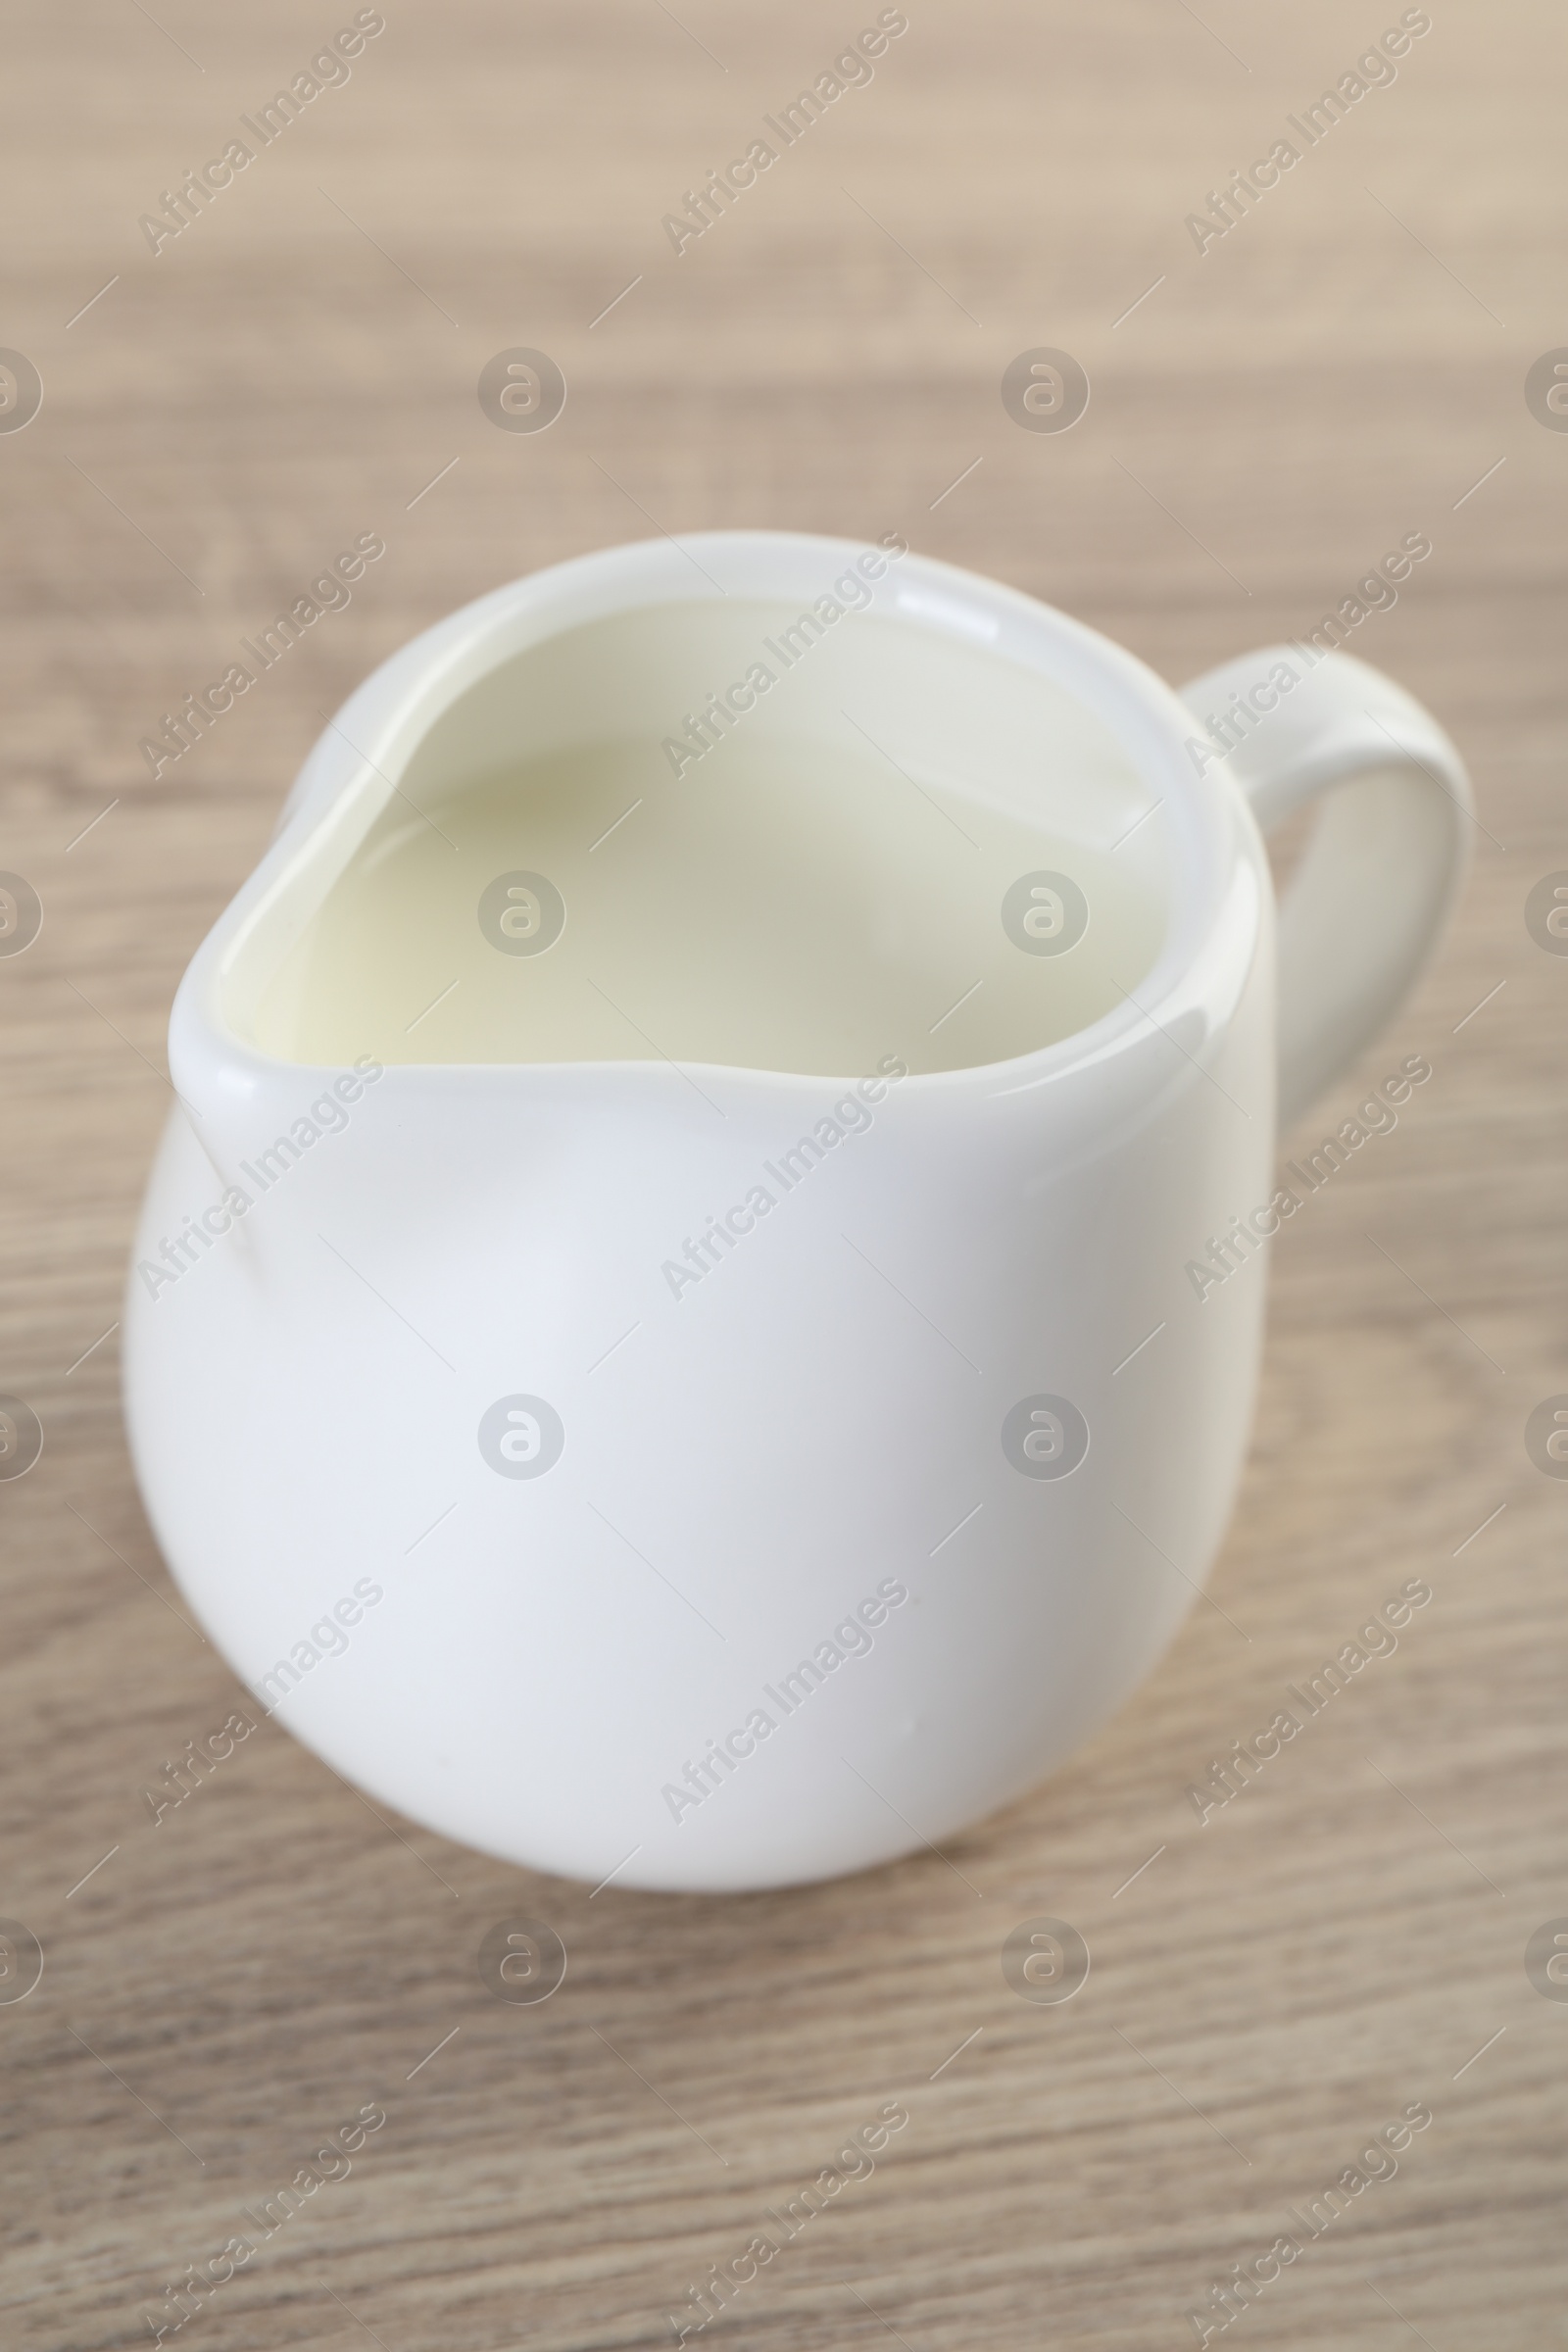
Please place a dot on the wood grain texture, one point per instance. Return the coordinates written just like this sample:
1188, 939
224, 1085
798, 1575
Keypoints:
233, 1984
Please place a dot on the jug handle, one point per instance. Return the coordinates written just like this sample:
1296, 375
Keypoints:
1380, 873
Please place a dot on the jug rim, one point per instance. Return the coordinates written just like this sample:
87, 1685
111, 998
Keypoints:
377, 731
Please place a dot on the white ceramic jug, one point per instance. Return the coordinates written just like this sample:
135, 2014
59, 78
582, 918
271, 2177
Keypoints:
562, 1493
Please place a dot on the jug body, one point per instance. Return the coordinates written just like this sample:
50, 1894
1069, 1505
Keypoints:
570, 1530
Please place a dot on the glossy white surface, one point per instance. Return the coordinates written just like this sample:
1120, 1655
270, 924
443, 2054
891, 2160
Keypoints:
745, 1462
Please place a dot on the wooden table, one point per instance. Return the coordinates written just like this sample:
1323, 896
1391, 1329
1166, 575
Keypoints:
1270, 1986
